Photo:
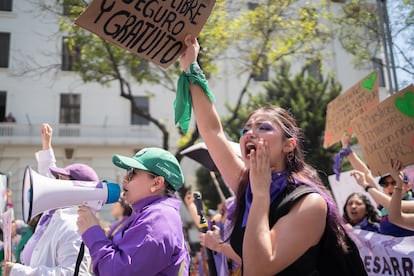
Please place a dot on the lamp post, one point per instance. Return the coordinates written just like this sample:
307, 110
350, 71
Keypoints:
387, 44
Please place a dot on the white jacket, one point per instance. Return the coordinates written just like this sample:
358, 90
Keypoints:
57, 250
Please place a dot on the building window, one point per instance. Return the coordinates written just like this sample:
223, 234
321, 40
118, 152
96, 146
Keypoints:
66, 7
69, 109
377, 64
70, 55
143, 66
262, 75
6, 5
142, 103
3, 98
4, 50
252, 6
315, 70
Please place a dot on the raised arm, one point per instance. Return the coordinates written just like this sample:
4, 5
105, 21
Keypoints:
379, 197
46, 157
395, 213
212, 240
355, 161
191, 207
208, 122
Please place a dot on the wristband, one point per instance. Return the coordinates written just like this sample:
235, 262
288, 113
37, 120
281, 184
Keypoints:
368, 187
337, 164
346, 151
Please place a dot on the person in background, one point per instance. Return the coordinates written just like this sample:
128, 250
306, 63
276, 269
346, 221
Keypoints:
151, 242
272, 166
218, 237
383, 200
386, 183
10, 118
54, 247
120, 211
16, 236
215, 238
396, 214
359, 212
26, 232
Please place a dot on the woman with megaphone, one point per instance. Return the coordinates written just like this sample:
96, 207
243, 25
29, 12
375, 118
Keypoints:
151, 241
55, 245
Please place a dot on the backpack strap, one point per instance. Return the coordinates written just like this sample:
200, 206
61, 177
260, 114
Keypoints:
281, 205
79, 259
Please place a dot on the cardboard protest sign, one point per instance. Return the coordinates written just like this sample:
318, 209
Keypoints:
351, 103
3, 192
387, 132
153, 30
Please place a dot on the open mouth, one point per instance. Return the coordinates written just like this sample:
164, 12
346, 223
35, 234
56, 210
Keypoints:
249, 148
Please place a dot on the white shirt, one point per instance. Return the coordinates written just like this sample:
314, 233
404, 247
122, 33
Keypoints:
58, 247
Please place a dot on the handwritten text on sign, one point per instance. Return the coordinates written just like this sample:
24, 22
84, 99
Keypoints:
152, 29
387, 132
351, 103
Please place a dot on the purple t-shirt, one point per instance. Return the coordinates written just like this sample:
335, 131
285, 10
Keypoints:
151, 242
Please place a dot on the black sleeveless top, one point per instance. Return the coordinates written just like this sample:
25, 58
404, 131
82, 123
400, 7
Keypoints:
325, 258
305, 265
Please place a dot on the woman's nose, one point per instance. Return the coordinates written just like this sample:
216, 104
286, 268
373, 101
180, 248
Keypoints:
250, 133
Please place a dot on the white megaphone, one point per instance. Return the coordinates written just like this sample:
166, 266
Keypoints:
42, 193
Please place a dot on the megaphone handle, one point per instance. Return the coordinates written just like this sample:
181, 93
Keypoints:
95, 205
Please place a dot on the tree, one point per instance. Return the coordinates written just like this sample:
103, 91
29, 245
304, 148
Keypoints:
374, 31
269, 31
105, 63
262, 35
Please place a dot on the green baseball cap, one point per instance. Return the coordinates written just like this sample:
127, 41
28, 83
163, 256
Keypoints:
155, 160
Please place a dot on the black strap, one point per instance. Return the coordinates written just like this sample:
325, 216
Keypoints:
281, 206
79, 260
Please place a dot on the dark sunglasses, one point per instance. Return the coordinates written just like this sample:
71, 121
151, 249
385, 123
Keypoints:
131, 173
388, 183
63, 177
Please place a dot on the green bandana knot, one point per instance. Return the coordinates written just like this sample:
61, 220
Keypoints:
183, 103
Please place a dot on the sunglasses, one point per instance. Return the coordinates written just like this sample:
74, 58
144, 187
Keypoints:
63, 177
388, 183
131, 173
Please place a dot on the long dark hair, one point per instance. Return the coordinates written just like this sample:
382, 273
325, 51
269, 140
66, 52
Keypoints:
372, 213
298, 170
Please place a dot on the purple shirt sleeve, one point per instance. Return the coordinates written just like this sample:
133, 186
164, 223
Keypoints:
152, 243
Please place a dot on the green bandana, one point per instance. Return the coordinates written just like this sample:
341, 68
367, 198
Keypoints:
182, 103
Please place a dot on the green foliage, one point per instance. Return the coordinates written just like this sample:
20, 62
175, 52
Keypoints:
273, 29
359, 31
215, 37
362, 40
